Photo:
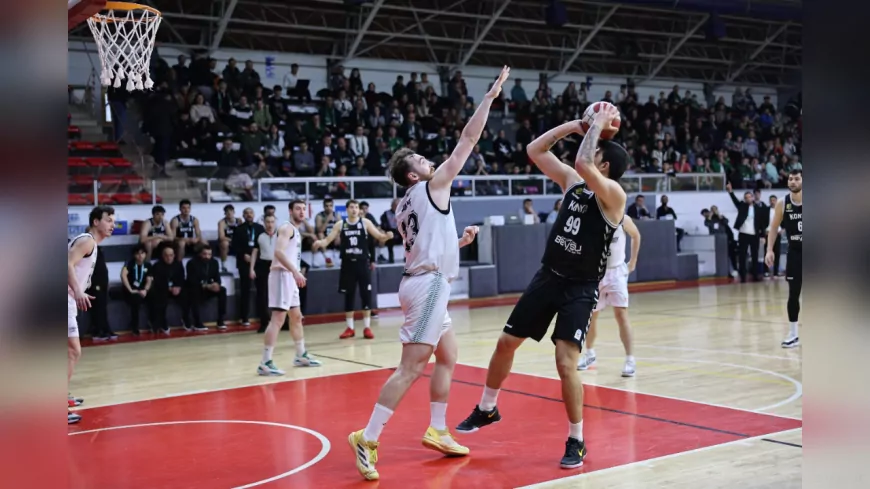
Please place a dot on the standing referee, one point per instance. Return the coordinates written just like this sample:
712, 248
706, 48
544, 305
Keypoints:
262, 256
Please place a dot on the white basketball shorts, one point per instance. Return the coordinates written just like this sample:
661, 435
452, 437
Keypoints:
424, 301
613, 288
283, 291
72, 311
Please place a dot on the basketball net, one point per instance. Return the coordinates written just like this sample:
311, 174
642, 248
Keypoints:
125, 35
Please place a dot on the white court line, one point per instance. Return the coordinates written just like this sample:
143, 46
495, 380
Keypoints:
648, 394
702, 350
219, 389
324, 442
656, 459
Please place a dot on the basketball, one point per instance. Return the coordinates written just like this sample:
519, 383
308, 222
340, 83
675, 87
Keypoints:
589, 116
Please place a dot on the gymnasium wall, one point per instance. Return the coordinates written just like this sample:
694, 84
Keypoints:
83, 57
468, 211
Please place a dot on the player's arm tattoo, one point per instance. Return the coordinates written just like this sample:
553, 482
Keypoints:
586, 153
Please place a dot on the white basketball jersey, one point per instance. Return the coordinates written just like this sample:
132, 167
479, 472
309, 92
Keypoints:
84, 269
428, 234
293, 250
616, 256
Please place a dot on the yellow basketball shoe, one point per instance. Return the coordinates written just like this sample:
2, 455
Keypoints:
366, 453
442, 441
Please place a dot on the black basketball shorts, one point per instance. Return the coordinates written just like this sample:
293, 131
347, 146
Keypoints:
794, 265
354, 273
548, 295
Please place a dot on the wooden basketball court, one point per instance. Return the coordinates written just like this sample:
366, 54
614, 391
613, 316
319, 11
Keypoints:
715, 403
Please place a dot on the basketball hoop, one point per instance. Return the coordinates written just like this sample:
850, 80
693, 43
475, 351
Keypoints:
125, 34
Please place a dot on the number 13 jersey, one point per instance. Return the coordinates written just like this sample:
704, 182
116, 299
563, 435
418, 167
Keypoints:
428, 234
578, 245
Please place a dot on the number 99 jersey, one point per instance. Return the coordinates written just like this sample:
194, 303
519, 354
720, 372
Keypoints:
578, 245
428, 234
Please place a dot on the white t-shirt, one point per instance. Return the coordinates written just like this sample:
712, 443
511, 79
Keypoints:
748, 226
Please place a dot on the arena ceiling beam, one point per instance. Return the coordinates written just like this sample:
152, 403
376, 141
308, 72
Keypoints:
754, 54
411, 27
362, 30
222, 24
433, 56
486, 28
588, 38
673, 51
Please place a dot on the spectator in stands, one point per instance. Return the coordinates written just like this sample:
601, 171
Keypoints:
203, 283
155, 232
249, 79
186, 230
166, 283
529, 210
262, 115
359, 144
136, 279
253, 144
241, 113
638, 209
99, 290
666, 212
303, 161
551, 217
201, 110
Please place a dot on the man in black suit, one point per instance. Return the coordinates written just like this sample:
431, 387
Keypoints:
244, 239
750, 224
203, 283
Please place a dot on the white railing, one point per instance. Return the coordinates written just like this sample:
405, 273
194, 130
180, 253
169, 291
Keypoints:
360, 188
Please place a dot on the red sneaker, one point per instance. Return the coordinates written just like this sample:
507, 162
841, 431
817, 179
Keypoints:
348, 333
368, 334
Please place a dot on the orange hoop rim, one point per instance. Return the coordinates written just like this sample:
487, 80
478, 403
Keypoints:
127, 6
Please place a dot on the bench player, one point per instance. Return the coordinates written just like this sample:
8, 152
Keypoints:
574, 262
285, 280
789, 215
356, 268
81, 260
613, 291
428, 229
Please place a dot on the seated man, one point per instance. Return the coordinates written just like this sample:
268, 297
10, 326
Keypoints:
185, 228
155, 232
203, 283
166, 279
226, 229
137, 281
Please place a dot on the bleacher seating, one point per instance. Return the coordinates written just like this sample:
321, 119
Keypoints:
102, 162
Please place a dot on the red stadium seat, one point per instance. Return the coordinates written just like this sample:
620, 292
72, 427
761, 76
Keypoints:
120, 162
125, 199
110, 179
106, 200
98, 162
77, 199
145, 197
107, 146
134, 180
73, 162
83, 179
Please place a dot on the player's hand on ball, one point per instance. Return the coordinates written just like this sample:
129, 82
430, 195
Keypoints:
300, 279
606, 114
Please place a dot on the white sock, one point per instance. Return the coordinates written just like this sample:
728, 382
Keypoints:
367, 321
349, 322
575, 430
487, 401
439, 415
380, 416
590, 352
267, 353
793, 328
300, 348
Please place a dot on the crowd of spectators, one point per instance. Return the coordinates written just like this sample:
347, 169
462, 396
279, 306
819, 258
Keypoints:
352, 127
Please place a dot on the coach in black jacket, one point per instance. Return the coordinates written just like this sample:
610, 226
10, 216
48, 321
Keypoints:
203, 283
244, 238
750, 225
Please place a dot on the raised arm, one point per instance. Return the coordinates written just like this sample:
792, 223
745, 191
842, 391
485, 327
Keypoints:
374, 231
632, 231
444, 175
773, 233
539, 152
323, 243
733, 197
608, 191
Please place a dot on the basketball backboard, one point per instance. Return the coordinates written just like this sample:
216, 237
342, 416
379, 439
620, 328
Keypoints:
80, 10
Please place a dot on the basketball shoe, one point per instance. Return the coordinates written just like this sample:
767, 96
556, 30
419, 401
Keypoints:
348, 333
366, 453
586, 360
306, 361
629, 368
269, 368
72, 418
74, 401
791, 341
478, 419
442, 441
575, 452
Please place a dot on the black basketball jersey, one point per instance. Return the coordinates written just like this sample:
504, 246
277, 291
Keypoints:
354, 243
578, 244
185, 229
231, 227
792, 223
157, 229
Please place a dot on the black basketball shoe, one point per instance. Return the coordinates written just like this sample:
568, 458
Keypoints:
478, 419
575, 452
